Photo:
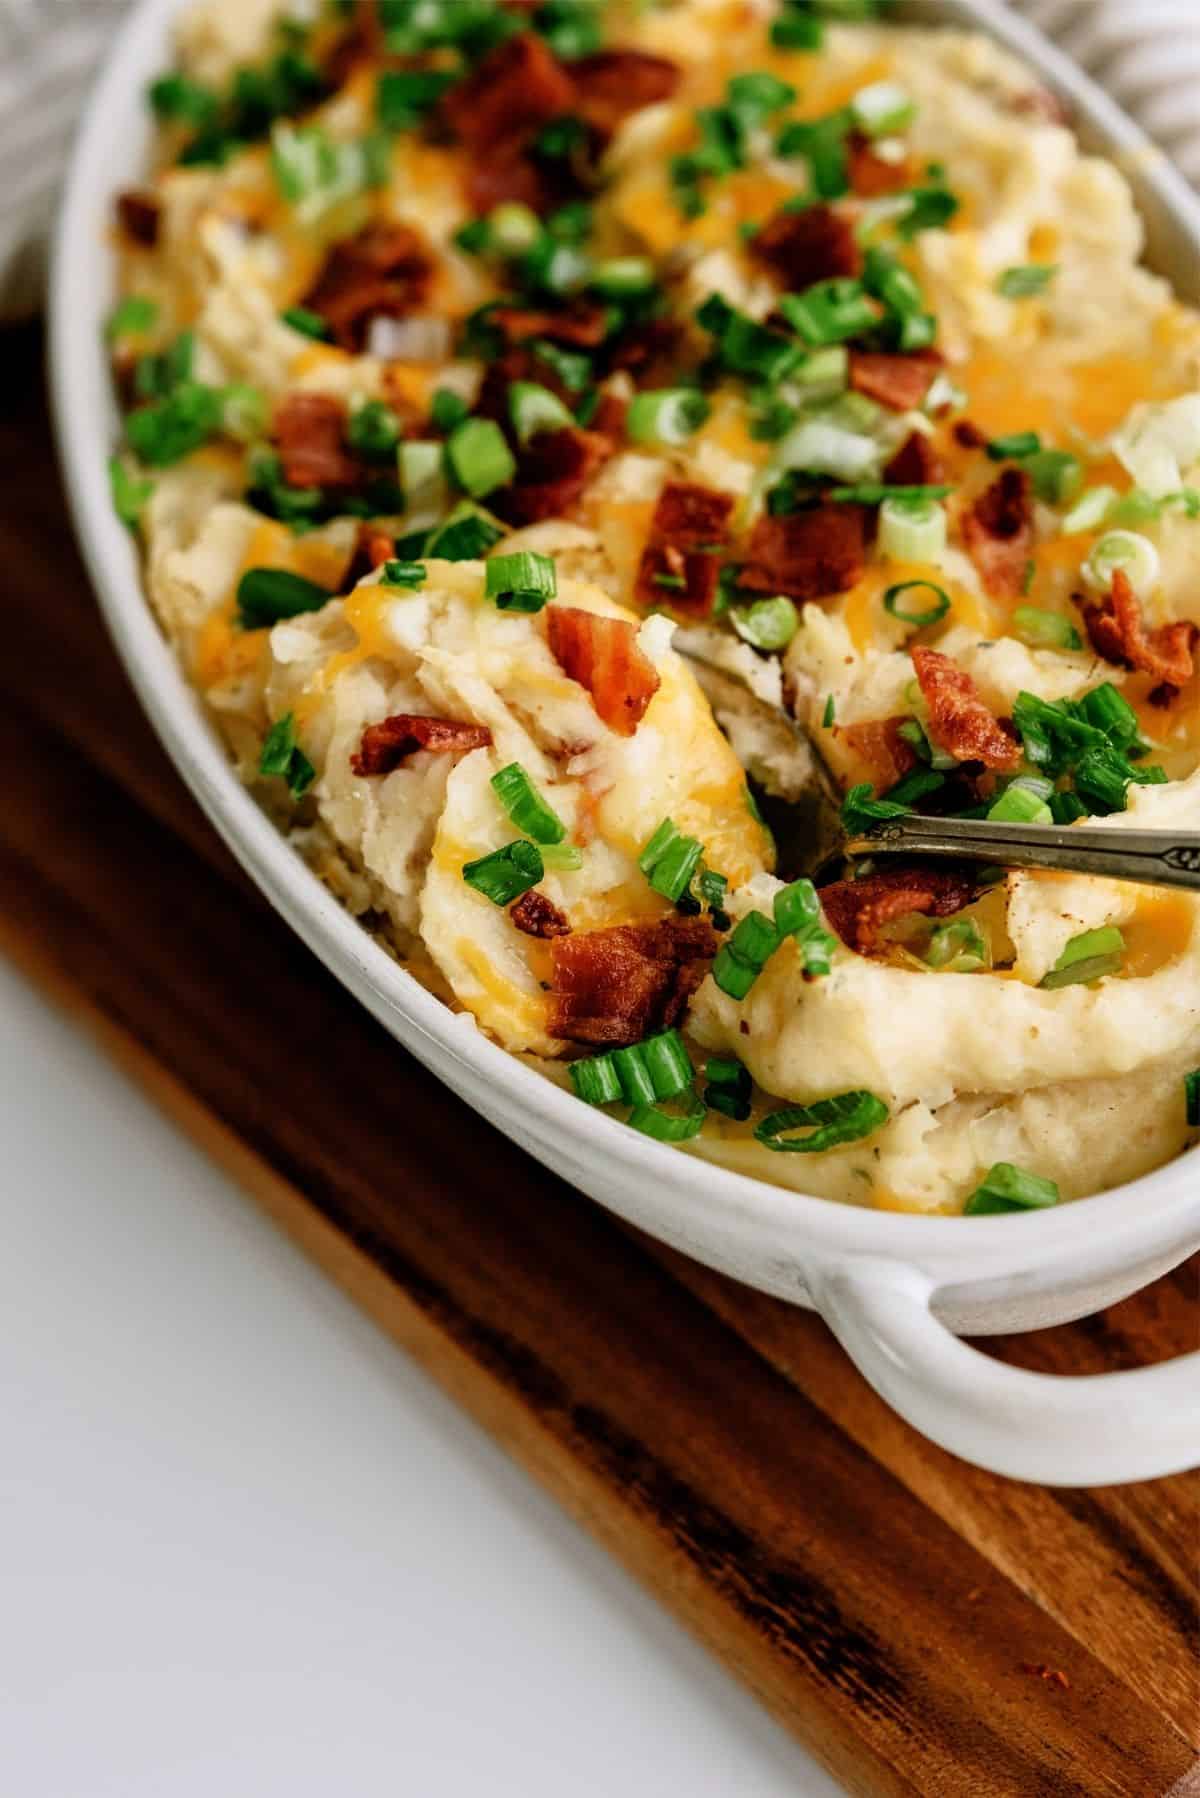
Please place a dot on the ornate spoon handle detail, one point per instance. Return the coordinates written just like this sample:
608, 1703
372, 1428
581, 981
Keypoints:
1155, 857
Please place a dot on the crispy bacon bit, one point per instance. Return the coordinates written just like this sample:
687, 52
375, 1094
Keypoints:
552, 474
649, 351
384, 272
900, 382
969, 436
371, 550
998, 531
610, 415
509, 175
807, 555
817, 244
139, 215
518, 364
602, 654
887, 754
517, 88
384, 746
915, 464
613, 987
680, 564
1117, 631
859, 909
535, 915
611, 84
872, 174
309, 429
959, 721
581, 325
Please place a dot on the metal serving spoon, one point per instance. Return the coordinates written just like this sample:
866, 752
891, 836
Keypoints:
812, 837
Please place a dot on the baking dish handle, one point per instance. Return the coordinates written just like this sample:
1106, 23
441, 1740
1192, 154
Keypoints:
1055, 1429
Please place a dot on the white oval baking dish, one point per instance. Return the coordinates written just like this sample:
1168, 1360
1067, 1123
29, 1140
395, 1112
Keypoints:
897, 1290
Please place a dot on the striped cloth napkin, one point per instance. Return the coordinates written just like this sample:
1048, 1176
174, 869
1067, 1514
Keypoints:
1147, 52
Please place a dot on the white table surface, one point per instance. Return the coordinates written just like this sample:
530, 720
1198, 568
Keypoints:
247, 1550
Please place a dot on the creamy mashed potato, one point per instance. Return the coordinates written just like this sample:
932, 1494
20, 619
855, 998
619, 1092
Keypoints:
824, 343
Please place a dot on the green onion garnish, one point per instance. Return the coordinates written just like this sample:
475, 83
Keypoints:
533, 408
135, 315
1191, 1092
1091, 512
595, 1080
831, 312
512, 229
861, 811
1057, 476
669, 861
171, 428
567, 857
403, 574
180, 100
1129, 551
506, 873
744, 346
526, 807
373, 430
958, 948
405, 97
265, 596
479, 457
729, 1088
1102, 780
1023, 802
822, 143
1045, 630
522, 582
130, 496
667, 416
1087, 957
309, 324
798, 915
447, 410
929, 614
282, 755
1015, 447
829, 715
845, 1118
768, 624
631, 1070
929, 208
1009, 1188
465, 535
912, 530
1108, 710
883, 109
666, 1126
623, 277
1024, 282
667, 1063
742, 959
875, 493
797, 31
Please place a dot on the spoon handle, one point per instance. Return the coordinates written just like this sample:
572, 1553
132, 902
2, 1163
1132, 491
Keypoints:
1165, 858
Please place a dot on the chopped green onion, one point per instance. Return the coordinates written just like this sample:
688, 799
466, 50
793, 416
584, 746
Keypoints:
929, 209
243, 412
1136, 508
474, 237
511, 229
180, 100
309, 324
623, 277
282, 755
823, 447
637, 1087
797, 908
874, 493
1102, 780
479, 457
861, 811
831, 312
912, 530
672, 872
1008, 1188
1067, 808
744, 346
403, 574
447, 410
1024, 282
420, 465
506, 873
1191, 1090
130, 496
533, 409
1091, 512
929, 614
567, 857
824, 369
526, 807
404, 97
1057, 476
135, 315
169, 429
665, 1126
667, 416
1087, 957
265, 596
668, 1064
1134, 554
914, 787
373, 429
729, 1088
1015, 447
829, 715
595, 1080
572, 367
1045, 630
822, 143
883, 109
797, 31
1021, 803
846, 1118
522, 582
1108, 710
958, 948
768, 624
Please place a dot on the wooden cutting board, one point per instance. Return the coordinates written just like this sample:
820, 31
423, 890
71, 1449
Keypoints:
924, 1628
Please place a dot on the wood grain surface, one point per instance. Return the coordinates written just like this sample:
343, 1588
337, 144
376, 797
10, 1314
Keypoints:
925, 1628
